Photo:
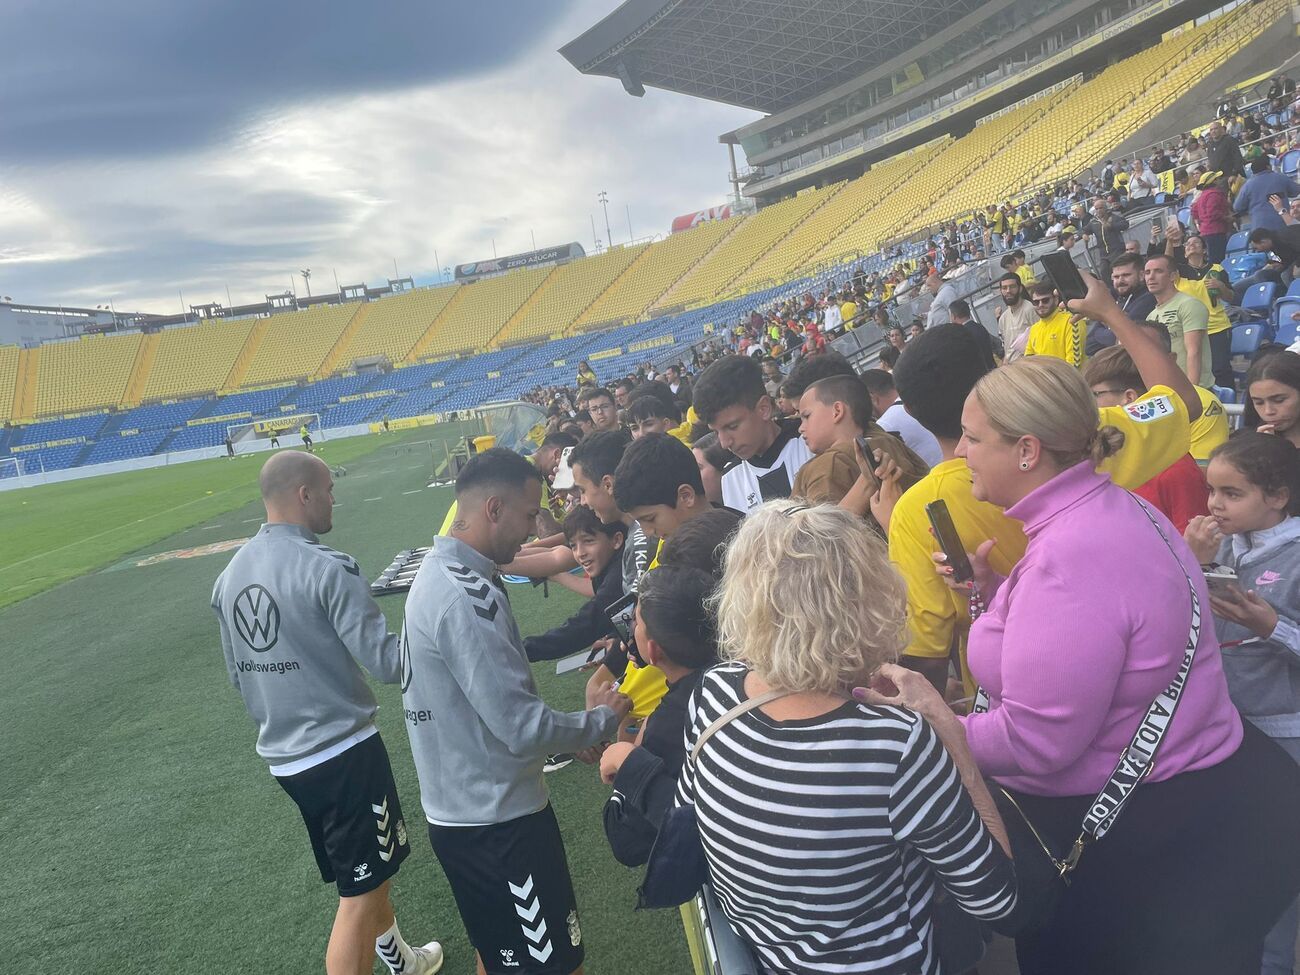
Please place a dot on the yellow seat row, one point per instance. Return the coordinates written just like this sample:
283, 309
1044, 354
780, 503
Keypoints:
568, 292
8, 380
394, 324
296, 343
195, 359
90, 373
480, 309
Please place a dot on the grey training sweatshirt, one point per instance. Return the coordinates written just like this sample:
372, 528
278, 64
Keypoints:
296, 620
479, 731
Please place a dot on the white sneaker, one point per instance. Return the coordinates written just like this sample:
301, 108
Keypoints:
428, 959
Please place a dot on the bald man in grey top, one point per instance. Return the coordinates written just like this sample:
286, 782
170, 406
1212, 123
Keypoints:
298, 623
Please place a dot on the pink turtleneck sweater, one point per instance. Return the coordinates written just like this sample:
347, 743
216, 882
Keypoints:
1082, 635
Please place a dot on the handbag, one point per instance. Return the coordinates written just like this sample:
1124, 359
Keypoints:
1042, 872
677, 867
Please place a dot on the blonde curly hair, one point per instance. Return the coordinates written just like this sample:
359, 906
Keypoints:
809, 599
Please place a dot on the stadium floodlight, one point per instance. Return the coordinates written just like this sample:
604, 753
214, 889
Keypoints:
306, 279
603, 197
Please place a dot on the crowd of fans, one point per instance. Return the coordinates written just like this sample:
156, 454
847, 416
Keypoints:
775, 517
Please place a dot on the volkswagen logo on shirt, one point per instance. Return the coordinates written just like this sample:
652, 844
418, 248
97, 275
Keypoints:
257, 618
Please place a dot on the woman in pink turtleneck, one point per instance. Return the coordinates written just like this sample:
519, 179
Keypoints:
1075, 644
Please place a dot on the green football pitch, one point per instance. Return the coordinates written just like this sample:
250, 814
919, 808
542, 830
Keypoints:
142, 834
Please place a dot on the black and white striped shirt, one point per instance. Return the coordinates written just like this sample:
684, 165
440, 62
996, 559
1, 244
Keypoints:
825, 836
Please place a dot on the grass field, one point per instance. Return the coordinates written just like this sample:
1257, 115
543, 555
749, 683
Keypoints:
141, 832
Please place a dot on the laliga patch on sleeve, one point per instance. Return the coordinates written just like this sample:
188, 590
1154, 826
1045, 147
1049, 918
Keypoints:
1152, 408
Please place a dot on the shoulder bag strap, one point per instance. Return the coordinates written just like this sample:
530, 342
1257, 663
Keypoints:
1137, 761
737, 711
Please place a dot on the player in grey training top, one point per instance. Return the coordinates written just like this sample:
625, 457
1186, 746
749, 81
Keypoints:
296, 619
480, 733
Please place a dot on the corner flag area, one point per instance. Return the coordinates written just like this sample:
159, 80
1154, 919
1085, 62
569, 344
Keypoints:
143, 833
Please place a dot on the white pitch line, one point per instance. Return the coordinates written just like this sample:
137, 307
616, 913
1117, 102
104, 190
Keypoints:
209, 528
416, 491
375, 499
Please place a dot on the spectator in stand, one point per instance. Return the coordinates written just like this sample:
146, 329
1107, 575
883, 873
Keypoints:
1107, 228
1142, 185
680, 385
730, 397
959, 312
892, 417
1179, 491
915, 329
648, 413
674, 631
772, 377
1206, 281
1222, 153
658, 484
1192, 154
1015, 316
1160, 161
835, 412
1213, 215
622, 390
1209, 429
1055, 333
596, 546
1273, 395
933, 378
1284, 246
944, 294
821, 897
1186, 318
848, 309
1253, 198
599, 404
1053, 733
889, 358
583, 419
1253, 528
586, 374
1129, 287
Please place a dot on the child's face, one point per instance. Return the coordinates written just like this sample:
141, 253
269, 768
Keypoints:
1239, 506
598, 496
1276, 403
594, 551
745, 430
651, 424
662, 520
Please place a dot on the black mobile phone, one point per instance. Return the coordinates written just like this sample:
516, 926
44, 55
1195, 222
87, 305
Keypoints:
945, 532
868, 452
1067, 280
622, 616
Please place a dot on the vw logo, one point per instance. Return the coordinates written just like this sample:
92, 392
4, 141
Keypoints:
257, 618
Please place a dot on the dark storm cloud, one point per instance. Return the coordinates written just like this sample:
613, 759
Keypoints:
82, 79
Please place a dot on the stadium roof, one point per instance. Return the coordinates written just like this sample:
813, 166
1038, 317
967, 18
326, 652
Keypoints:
766, 55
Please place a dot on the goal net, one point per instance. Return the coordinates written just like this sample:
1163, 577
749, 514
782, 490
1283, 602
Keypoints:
11, 467
287, 429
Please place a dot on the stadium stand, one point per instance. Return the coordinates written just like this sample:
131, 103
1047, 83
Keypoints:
479, 312
8, 380
566, 293
393, 325
195, 359
293, 345
88, 373
656, 270
750, 241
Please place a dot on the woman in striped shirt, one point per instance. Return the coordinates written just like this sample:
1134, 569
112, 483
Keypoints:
827, 822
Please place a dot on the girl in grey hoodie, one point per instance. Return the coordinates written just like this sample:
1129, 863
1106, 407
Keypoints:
1252, 528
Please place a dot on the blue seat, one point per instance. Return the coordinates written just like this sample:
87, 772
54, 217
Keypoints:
1294, 290
1290, 162
1244, 265
1185, 216
1258, 299
1286, 321
1225, 394
1247, 338
1239, 242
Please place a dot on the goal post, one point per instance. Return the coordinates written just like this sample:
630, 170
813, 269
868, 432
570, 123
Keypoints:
287, 428
11, 467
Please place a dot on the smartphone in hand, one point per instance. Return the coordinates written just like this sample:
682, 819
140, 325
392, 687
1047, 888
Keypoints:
945, 532
1067, 280
872, 455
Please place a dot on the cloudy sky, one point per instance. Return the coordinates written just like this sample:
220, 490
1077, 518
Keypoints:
149, 147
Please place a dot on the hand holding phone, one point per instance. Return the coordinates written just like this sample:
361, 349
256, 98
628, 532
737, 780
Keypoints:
945, 533
1067, 280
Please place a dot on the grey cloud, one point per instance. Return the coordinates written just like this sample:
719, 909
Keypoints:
136, 77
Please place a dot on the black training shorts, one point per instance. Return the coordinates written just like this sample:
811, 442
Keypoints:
511, 883
353, 817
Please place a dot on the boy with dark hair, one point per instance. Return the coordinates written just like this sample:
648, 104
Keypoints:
731, 398
808, 371
701, 543
676, 633
647, 413
600, 406
658, 483
595, 546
